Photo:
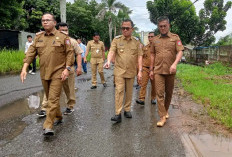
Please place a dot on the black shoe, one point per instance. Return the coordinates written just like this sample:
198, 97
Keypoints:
48, 132
154, 101
117, 118
127, 114
104, 84
68, 111
41, 114
140, 102
57, 122
93, 87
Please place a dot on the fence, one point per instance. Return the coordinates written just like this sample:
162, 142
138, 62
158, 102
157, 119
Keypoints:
199, 55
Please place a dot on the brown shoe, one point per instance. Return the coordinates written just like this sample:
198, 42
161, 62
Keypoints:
161, 122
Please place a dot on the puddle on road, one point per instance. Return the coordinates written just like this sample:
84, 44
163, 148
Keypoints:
212, 145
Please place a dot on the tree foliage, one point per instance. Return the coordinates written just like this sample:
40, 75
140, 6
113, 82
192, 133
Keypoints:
227, 40
11, 14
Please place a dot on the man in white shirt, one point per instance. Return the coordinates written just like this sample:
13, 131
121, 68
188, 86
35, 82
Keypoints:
32, 69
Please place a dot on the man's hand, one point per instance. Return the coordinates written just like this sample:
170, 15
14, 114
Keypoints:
23, 75
85, 60
139, 77
151, 74
64, 75
78, 71
107, 65
172, 69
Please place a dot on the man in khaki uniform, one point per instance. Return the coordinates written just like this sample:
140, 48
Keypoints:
167, 51
69, 84
146, 72
128, 53
97, 49
56, 58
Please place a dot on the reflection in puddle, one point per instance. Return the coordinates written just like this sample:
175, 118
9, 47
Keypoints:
212, 146
33, 101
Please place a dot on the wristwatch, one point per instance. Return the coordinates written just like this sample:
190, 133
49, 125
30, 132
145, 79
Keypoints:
141, 70
68, 68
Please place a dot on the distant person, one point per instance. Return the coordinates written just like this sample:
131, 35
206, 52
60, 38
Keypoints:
146, 72
83, 47
166, 52
32, 69
127, 52
56, 58
97, 49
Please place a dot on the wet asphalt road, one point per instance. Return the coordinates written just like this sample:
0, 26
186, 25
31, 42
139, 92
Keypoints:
88, 132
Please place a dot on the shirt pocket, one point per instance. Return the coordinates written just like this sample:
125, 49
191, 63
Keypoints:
40, 47
121, 49
171, 45
134, 51
58, 47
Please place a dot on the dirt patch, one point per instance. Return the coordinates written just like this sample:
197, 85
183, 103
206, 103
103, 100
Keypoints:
194, 118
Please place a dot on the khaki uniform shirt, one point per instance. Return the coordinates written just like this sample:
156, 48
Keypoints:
126, 56
146, 56
55, 53
96, 48
165, 50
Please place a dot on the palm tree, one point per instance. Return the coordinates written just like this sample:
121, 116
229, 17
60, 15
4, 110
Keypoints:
109, 7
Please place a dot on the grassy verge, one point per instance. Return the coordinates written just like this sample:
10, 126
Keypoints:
12, 61
211, 86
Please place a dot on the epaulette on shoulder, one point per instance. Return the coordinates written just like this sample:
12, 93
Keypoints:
174, 34
136, 38
38, 33
119, 36
64, 32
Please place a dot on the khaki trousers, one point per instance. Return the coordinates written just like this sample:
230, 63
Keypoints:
97, 64
143, 89
123, 86
52, 89
164, 85
69, 89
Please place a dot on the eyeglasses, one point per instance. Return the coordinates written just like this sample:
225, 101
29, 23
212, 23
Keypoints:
46, 20
150, 36
125, 28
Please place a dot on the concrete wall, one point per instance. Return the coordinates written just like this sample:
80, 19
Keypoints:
144, 37
22, 37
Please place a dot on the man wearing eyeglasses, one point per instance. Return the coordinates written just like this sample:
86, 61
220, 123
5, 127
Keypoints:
166, 52
128, 53
56, 58
146, 72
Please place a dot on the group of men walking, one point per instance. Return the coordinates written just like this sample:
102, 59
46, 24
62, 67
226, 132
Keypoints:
156, 61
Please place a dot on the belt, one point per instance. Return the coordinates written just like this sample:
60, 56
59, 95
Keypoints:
146, 67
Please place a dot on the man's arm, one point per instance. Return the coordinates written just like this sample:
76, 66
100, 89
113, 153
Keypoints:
140, 65
87, 52
111, 54
173, 66
103, 51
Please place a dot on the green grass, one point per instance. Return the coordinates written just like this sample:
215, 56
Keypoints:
12, 61
211, 86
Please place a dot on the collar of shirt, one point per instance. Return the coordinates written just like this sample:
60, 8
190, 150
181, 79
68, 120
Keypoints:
124, 38
168, 35
53, 32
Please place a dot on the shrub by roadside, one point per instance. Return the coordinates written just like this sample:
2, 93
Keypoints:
211, 86
12, 61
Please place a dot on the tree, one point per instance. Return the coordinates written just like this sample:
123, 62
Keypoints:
11, 15
36, 8
212, 17
227, 40
109, 7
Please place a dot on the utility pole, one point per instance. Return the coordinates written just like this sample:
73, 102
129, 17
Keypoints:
63, 10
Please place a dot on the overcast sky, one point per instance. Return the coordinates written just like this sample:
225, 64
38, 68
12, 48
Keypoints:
140, 15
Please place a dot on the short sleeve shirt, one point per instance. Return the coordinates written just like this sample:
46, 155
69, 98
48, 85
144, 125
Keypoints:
55, 53
126, 54
96, 48
165, 50
146, 55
